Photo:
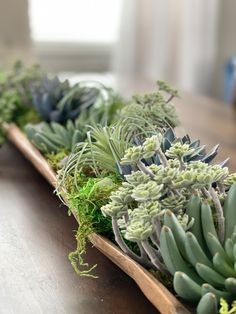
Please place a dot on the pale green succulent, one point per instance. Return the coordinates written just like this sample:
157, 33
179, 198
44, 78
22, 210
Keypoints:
179, 151
147, 193
139, 229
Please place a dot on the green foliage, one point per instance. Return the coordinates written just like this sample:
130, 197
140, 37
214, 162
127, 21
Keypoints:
53, 137
202, 267
57, 101
137, 208
100, 153
86, 203
55, 159
15, 97
153, 109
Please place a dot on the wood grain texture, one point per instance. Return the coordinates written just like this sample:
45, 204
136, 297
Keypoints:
156, 293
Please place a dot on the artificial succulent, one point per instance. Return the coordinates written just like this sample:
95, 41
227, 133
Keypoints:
202, 262
59, 102
153, 110
137, 208
54, 137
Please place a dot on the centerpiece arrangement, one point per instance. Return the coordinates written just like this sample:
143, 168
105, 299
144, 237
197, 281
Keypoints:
125, 175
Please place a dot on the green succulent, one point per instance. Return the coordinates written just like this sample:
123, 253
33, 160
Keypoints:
138, 207
54, 137
153, 110
203, 267
179, 151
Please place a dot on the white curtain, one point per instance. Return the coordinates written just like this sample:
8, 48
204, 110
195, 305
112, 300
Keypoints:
15, 41
174, 40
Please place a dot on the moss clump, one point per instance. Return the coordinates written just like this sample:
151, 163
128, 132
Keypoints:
54, 159
86, 203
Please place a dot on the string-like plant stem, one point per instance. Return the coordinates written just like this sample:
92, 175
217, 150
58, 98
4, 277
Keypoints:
120, 241
153, 256
144, 169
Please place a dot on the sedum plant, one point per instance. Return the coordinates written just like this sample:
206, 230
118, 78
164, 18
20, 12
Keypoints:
137, 208
153, 109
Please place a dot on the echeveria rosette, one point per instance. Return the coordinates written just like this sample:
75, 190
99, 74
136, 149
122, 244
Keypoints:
59, 102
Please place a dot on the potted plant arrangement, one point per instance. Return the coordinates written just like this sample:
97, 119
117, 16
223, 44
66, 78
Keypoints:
153, 202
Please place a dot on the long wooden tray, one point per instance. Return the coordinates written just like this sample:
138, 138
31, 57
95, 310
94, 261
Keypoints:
156, 292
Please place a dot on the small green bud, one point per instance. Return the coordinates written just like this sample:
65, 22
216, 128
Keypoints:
138, 229
150, 191
179, 150
152, 145
132, 155
113, 209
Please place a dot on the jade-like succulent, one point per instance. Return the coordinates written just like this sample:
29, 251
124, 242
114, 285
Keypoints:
138, 206
203, 266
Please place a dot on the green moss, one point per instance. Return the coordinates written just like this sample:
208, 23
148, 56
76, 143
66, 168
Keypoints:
54, 159
93, 193
26, 116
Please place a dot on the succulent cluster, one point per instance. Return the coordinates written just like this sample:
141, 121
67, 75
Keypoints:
153, 110
54, 137
203, 265
59, 102
132, 179
158, 205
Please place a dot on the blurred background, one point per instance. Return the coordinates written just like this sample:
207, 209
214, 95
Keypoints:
128, 43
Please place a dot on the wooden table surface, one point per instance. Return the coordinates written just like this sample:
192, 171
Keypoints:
36, 234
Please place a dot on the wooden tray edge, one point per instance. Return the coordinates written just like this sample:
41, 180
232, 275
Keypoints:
155, 291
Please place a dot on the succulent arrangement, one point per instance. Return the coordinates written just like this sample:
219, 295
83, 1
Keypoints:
129, 177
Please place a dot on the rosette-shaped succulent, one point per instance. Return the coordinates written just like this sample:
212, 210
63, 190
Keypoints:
139, 228
132, 155
179, 151
174, 202
53, 137
200, 263
145, 192
152, 145
57, 101
230, 180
